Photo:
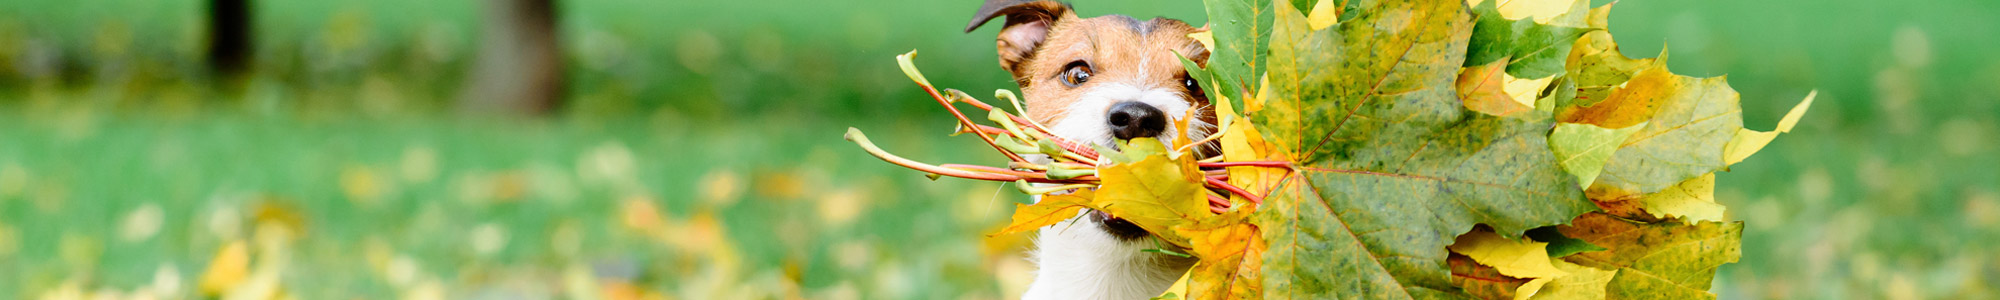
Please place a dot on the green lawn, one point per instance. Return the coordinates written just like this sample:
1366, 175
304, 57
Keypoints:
701, 155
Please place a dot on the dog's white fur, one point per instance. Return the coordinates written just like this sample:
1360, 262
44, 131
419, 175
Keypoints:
1077, 259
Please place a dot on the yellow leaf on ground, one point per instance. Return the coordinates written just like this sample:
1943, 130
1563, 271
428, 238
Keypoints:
1582, 282
1748, 141
229, 268
1519, 258
1692, 201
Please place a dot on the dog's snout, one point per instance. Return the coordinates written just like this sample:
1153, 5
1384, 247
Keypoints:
1132, 119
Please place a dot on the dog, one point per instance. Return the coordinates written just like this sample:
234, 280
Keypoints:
1096, 80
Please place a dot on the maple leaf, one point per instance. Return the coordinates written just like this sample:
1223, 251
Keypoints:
1582, 283
1584, 148
1050, 210
1691, 201
1515, 258
1231, 254
1155, 190
1530, 49
1658, 260
1393, 166
1379, 134
1481, 281
1241, 33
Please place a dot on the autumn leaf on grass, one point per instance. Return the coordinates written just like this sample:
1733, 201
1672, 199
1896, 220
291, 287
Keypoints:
1667, 260
1393, 166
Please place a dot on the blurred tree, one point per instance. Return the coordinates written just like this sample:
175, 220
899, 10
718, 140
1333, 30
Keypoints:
520, 68
229, 47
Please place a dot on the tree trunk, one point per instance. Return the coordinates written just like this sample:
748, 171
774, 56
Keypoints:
519, 69
229, 46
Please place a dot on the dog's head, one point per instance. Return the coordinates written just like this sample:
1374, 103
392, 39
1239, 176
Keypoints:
1096, 80
1103, 78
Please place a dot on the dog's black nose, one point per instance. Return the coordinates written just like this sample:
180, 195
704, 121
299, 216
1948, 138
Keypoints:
1131, 119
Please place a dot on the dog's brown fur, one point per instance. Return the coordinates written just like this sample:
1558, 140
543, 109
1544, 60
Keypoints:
1128, 62
1043, 37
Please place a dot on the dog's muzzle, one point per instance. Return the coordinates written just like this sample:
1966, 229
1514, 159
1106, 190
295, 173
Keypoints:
1132, 119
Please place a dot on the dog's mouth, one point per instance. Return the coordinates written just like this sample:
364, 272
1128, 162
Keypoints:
1117, 227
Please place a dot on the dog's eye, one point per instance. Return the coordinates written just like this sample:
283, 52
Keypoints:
1191, 85
1077, 74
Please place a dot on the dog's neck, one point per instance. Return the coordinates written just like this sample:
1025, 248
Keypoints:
1076, 260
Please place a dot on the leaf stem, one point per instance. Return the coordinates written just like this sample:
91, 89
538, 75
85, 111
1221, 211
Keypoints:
910, 69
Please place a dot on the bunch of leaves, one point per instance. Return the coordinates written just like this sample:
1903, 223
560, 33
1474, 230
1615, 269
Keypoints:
1159, 186
1492, 149
1402, 149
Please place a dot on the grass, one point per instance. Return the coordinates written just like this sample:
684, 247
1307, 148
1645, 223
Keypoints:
738, 184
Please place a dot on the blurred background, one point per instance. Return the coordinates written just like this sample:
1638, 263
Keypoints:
635, 149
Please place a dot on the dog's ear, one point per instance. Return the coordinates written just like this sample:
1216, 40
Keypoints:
1028, 23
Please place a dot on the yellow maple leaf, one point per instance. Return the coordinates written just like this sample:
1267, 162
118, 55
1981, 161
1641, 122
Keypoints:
1489, 89
1230, 250
1693, 201
230, 267
1155, 191
1634, 103
1748, 141
1323, 14
1517, 258
1050, 210
1543, 11
1582, 282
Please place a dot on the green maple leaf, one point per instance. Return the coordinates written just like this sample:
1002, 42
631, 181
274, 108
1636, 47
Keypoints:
1534, 50
1393, 165
1668, 260
1242, 31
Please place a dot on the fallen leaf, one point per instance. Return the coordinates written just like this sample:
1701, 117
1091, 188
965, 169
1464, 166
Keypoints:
229, 267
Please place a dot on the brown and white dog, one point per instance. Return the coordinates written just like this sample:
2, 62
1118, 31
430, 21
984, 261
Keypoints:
1096, 80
